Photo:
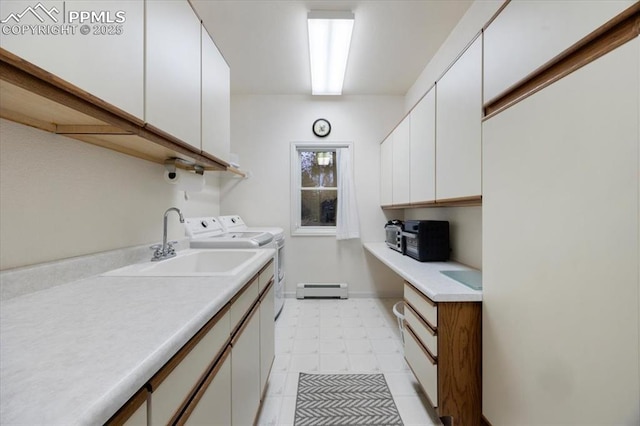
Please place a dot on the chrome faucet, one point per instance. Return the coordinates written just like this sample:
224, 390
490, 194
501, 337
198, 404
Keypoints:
166, 250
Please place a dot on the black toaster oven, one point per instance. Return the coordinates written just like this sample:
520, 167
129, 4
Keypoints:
427, 240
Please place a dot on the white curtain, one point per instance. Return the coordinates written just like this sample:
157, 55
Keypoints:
347, 222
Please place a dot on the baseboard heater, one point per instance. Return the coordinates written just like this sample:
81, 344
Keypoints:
322, 291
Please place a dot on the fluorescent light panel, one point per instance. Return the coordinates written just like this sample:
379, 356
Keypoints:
329, 41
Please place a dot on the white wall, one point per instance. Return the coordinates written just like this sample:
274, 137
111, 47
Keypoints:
62, 198
465, 230
262, 129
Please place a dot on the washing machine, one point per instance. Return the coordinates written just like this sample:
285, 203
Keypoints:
234, 223
208, 232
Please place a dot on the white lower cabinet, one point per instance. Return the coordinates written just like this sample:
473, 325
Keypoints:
133, 413
138, 418
442, 345
217, 377
245, 372
267, 335
213, 406
424, 367
173, 385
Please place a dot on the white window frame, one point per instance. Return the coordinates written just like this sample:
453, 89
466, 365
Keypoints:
297, 230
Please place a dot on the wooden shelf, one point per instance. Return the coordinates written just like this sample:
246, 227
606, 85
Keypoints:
34, 97
471, 201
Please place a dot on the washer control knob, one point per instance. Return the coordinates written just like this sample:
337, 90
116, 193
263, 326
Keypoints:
204, 224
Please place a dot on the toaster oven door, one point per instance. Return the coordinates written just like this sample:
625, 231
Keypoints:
394, 237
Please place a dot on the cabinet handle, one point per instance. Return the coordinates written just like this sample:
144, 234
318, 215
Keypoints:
266, 290
432, 330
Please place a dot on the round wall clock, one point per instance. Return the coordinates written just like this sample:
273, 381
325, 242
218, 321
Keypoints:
321, 127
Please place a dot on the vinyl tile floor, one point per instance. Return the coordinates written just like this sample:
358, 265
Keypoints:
340, 336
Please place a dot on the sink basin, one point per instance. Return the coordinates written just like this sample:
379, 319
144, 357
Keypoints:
191, 263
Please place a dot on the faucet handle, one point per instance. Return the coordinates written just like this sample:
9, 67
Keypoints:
156, 247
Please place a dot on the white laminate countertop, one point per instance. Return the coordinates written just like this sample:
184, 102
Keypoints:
426, 276
74, 354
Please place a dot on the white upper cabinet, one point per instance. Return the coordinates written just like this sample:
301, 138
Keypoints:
216, 100
423, 149
528, 34
386, 171
401, 155
458, 127
173, 69
107, 61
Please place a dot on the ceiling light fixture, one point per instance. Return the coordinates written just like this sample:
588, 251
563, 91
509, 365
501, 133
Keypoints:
329, 41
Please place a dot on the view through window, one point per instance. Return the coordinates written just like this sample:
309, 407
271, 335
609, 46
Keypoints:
318, 187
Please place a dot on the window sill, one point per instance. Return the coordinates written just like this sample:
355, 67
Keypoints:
312, 231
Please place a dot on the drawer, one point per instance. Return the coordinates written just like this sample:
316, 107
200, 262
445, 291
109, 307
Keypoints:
266, 275
425, 334
424, 306
243, 302
213, 400
174, 383
133, 413
423, 366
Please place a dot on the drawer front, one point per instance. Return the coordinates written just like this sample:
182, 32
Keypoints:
266, 275
174, 389
214, 405
267, 336
424, 333
133, 413
139, 417
243, 303
245, 373
423, 368
427, 308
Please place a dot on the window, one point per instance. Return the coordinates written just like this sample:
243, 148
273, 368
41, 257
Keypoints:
314, 188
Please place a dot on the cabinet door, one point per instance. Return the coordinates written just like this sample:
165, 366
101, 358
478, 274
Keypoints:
267, 336
423, 366
245, 373
133, 413
386, 171
214, 406
401, 154
423, 149
172, 98
458, 128
528, 34
106, 62
174, 389
560, 250
216, 100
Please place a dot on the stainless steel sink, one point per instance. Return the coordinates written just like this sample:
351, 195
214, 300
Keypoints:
192, 263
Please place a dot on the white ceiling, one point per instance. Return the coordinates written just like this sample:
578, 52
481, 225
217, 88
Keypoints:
265, 41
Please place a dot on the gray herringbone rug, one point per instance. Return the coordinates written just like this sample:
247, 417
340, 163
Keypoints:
345, 399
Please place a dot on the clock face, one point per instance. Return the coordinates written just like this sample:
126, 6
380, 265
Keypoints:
321, 127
